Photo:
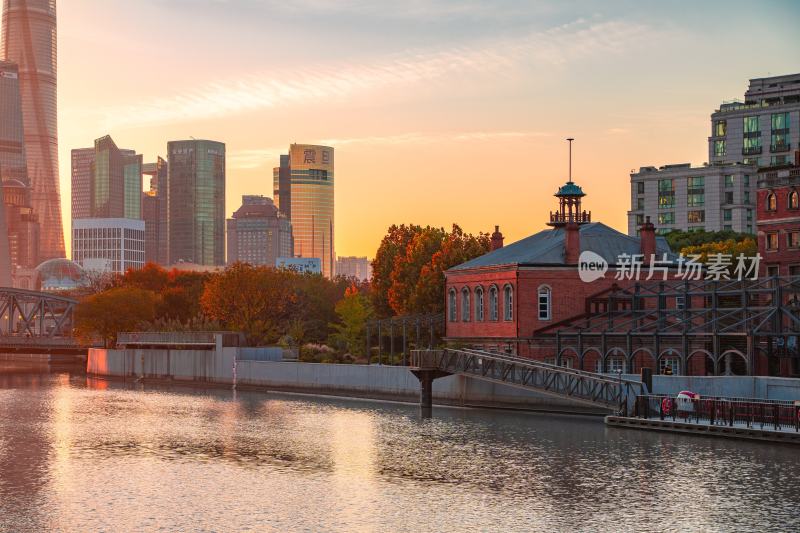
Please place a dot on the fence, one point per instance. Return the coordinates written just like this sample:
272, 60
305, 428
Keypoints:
743, 412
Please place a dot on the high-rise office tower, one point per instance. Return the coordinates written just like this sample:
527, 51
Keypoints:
154, 213
258, 234
19, 236
281, 186
196, 202
106, 181
29, 40
311, 203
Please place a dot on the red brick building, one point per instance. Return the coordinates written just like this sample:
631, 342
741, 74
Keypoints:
500, 299
778, 219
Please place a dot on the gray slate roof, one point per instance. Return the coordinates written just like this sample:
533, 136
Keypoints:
547, 248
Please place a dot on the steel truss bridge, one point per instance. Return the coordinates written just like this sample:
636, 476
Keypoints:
723, 327
36, 322
598, 390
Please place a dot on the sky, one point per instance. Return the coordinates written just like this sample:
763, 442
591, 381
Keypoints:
440, 111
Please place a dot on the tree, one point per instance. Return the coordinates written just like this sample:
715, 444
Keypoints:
679, 240
747, 247
419, 257
118, 309
354, 311
255, 300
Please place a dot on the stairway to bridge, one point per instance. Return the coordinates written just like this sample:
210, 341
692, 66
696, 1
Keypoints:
599, 390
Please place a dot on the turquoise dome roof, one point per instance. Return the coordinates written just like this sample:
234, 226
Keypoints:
570, 189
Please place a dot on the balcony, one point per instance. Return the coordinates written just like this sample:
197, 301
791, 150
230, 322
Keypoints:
780, 147
752, 150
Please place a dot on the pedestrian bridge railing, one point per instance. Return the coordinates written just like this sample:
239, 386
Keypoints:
578, 385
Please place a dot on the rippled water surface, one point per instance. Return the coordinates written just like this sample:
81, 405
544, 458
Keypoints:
78, 455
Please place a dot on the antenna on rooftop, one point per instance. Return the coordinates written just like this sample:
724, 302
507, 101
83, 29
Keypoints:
570, 139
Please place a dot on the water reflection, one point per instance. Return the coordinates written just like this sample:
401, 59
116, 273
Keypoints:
81, 455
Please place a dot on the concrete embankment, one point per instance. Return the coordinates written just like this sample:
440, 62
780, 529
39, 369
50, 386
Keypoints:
728, 386
216, 367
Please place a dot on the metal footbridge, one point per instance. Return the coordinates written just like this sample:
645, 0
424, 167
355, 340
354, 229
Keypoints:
598, 390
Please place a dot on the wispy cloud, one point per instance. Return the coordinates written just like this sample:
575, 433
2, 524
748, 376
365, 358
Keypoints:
553, 47
255, 158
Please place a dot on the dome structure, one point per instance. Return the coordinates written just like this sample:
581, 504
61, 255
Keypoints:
61, 275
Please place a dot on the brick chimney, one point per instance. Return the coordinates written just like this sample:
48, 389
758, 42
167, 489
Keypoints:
497, 239
572, 243
647, 239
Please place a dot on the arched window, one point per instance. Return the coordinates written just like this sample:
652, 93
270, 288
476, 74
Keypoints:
508, 303
493, 315
479, 304
544, 302
451, 305
772, 203
465, 307
794, 200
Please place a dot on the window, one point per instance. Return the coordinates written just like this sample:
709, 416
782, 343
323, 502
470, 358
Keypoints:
694, 217
720, 128
666, 218
752, 161
751, 145
772, 202
639, 220
640, 187
640, 204
794, 199
794, 270
479, 304
451, 305
727, 227
680, 302
729, 197
728, 181
727, 215
673, 363
751, 125
771, 241
772, 270
776, 160
749, 215
695, 183
793, 239
544, 302
465, 306
666, 194
508, 303
493, 303
747, 197
746, 180
779, 141
694, 200
780, 121
720, 148
615, 365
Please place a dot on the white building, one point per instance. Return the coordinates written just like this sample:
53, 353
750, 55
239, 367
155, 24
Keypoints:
303, 265
354, 267
108, 244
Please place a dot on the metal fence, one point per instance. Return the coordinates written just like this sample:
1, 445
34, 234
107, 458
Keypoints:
743, 412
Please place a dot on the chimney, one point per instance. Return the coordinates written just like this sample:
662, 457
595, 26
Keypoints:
497, 239
797, 158
572, 243
647, 239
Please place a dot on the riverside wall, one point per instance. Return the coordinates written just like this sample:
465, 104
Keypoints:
216, 367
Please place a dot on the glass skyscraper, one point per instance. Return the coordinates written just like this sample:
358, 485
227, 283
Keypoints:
196, 202
115, 182
311, 203
29, 40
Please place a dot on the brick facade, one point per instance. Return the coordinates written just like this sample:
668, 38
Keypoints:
778, 219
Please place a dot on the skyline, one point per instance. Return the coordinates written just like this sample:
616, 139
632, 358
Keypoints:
377, 86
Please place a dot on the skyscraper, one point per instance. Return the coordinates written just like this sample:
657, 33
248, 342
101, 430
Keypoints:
29, 40
311, 203
154, 213
12, 140
196, 202
106, 181
258, 234
281, 186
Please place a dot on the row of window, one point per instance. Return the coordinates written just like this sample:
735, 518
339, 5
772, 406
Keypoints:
693, 217
792, 201
792, 240
544, 303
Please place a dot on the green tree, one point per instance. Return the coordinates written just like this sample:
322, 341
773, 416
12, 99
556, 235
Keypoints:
679, 240
105, 314
353, 311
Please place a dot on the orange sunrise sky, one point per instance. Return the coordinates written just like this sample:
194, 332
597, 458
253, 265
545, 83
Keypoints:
439, 111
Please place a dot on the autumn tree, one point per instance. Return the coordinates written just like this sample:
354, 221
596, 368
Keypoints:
257, 301
734, 248
408, 270
105, 314
179, 291
353, 311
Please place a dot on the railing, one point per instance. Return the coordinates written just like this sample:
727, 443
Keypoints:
577, 385
178, 338
780, 147
583, 217
753, 150
733, 412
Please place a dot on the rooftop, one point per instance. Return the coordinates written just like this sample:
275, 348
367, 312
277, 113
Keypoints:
547, 248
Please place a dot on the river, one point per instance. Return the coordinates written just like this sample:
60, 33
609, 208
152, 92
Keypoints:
87, 455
